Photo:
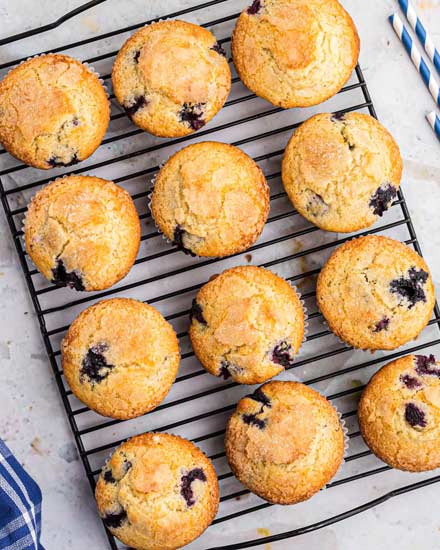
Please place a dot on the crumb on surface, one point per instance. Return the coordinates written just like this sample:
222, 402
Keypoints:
36, 446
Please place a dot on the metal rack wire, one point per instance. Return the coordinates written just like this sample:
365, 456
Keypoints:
196, 407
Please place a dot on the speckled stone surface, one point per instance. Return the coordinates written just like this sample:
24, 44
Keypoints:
32, 420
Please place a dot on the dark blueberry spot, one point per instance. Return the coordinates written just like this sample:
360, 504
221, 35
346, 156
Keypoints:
255, 8
136, 55
62, 277
115, 520
410, 288
410, 381
282, 354
338, 117
108, 477
75, 121
346, 139
178, 241
56, 161
224, 370
218, 48
252, 420
94, 365
260, 397
316, 205
127, 465
196, 312
137, 103
186, 488
427, 365
383, 324
192, 114
414, 416
382, 198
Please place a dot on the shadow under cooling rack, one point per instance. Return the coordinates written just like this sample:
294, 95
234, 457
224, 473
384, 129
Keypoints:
199, 404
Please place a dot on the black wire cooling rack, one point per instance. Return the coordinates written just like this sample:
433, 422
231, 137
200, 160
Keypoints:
198, 405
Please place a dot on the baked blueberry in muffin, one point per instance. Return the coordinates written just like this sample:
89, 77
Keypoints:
120, 357
295, 53
284, 442
342, 172
94, 366
252, 325
54, 111
210, 199
166, 498
410, 287
82, 232
376, 293
399, 413
172, 78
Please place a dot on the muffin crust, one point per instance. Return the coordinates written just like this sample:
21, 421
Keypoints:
54, 111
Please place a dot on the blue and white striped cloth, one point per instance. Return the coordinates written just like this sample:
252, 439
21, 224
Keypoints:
20, 505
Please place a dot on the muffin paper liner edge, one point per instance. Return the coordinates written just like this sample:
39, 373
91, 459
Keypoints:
346, 439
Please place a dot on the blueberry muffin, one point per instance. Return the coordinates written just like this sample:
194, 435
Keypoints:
376, 293
284, 442
211, 199
247, 324
82, 232
399, 413
54, 111
157, 492
120, 357
295, 53
171, 77
342, 172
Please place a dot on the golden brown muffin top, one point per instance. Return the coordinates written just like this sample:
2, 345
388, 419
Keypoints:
171, 77
247, 324
120, 357
376, 293
342, 172
211, 199
284, 442
54, 111
82, 232
157, 492
399, 413
295, 53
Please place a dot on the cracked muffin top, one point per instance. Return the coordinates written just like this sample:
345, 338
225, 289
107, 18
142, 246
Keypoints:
171, 77
53, 111
342, 172
376, 293
211, 199
247, 324
82, 232
120, 357
157, 492
295, 53
399, 413
284, 442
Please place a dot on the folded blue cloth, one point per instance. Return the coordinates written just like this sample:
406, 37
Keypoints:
20, 505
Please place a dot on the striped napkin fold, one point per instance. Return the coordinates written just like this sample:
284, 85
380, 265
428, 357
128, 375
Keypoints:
20, 505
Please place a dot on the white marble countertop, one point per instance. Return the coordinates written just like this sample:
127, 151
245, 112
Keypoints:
32, 420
